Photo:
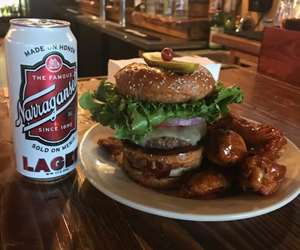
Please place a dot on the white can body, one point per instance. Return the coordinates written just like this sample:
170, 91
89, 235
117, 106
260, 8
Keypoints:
41, 58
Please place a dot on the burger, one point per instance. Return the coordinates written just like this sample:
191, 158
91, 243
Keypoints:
160, 111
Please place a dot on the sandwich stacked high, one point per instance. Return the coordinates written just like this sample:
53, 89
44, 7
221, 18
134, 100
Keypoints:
160, 111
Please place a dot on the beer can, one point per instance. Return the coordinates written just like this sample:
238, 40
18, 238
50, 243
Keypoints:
41, 58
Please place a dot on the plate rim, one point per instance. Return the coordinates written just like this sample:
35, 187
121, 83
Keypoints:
176, 215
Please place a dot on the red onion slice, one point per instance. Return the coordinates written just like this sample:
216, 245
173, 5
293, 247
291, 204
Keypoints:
179, 122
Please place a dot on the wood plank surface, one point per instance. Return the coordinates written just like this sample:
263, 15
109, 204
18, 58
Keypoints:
280, 55
72, 214
238, 43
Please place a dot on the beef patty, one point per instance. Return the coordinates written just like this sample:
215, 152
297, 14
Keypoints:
166, 143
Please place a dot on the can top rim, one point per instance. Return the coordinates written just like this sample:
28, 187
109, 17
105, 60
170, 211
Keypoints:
39, 23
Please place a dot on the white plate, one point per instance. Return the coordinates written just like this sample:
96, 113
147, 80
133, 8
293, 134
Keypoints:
110, 179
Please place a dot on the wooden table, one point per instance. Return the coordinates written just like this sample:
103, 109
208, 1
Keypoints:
74, 215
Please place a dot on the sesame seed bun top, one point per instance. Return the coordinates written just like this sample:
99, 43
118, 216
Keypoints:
152, 84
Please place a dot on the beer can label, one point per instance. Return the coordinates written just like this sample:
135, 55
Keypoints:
47, 113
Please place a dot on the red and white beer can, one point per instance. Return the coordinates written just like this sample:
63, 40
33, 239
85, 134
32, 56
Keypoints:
41, 57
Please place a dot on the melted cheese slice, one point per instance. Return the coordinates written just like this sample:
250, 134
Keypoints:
191, 134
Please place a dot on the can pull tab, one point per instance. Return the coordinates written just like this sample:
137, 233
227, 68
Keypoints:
39, 23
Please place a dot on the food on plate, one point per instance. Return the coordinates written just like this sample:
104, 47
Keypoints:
167, 54
161, 115
207, 183
144, 83
261, 139
155, 59
257, 168
262, 175
111, 144
160, 169
114, 147
169, 115
225, 147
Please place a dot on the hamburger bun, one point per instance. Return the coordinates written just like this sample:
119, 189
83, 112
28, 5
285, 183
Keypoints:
146, 83
159, 169
150, 181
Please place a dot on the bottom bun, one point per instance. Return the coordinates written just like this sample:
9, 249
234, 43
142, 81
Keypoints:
157, 169
150, 181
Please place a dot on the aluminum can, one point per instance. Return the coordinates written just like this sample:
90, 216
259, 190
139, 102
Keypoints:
41, 60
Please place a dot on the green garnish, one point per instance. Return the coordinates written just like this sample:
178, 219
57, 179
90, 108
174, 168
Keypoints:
133, 119
154, 59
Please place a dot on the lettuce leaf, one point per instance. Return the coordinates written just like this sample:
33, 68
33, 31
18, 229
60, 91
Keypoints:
133, 119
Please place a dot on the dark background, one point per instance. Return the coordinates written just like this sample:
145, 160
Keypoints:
97, 41
94, 47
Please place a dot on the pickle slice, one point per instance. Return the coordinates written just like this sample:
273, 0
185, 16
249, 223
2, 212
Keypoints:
154, 59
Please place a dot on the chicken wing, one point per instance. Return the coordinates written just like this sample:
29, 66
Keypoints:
206, 183
261, 175
225, 147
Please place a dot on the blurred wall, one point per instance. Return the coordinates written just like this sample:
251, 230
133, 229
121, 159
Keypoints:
46, 8
41, 8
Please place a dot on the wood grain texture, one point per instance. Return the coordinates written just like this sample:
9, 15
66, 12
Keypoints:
280, 55
237, 43
192, 28
73, 215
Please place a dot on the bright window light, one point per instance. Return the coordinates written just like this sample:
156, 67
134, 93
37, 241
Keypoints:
4, 3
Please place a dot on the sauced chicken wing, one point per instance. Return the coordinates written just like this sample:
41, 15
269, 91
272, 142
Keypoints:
225, 147
205, 184
113, 146
258, 170
261, 139
261, 175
